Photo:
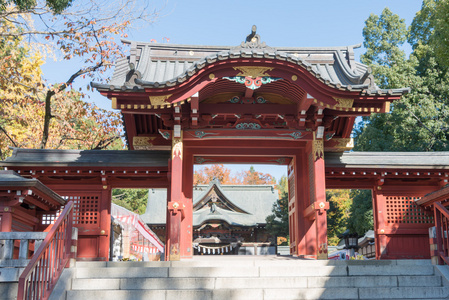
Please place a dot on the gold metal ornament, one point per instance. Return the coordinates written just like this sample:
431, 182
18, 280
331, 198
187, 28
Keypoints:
177, 147
253, 72
318, 149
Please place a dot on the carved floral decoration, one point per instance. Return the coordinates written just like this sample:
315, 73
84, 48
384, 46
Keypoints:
258, 100
252, 83
248, 126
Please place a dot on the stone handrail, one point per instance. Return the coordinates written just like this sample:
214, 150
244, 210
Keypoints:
7, 243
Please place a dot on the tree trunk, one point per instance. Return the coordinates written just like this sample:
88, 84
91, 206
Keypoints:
47, 118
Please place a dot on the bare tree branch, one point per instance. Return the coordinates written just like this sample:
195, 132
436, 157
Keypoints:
105, 143
51, 93
7, 135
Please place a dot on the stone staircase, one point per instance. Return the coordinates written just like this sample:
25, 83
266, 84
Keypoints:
244, 277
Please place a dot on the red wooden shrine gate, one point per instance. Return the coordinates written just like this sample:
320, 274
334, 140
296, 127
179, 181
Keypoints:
250, 103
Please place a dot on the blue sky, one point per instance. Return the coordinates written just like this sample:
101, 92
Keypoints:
279, 23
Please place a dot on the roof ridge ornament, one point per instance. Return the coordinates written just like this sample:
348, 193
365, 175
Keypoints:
252, 41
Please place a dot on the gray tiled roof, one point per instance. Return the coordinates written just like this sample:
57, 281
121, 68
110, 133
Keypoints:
232, 218
385, 160
10, 179
164, 65
88, 158
257, 200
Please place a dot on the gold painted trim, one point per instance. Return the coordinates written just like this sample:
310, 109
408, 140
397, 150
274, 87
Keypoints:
344, 103
211, 76
344, 142
143, 142
253, 72
294, 77
159, 100
114, 103
340, 144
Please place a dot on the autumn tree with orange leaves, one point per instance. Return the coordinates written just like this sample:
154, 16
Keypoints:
223, 175
219, 172
253, 177
85, 31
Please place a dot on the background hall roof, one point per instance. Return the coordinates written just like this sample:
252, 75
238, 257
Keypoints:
257, 200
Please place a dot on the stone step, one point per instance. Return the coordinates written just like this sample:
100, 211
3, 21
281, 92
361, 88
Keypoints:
274, 261
351, 270
194, 272
375, 281
132, 272
8, 290
265, 294
254, 283
187, 272
358, 293
367, 270
404, 293
275, 271
268, 278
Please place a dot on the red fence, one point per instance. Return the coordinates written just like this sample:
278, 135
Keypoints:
441, 228
42, 273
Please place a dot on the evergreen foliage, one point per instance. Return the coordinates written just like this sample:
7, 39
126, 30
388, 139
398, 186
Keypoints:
134, 200
56, 6
417, 122
361, 217
337, 216
277, 223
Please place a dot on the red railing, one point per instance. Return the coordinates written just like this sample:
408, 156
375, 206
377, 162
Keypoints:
40, 276
441, 230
